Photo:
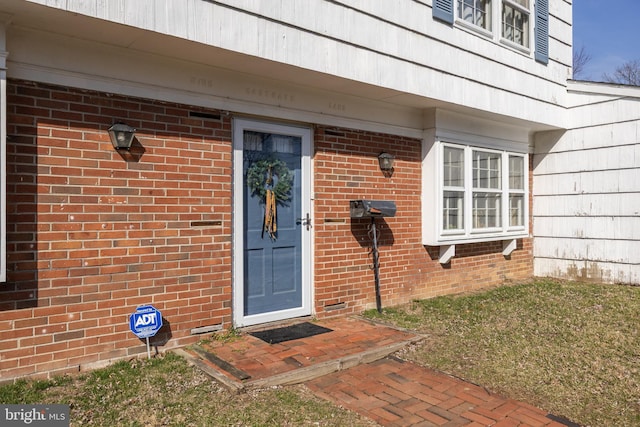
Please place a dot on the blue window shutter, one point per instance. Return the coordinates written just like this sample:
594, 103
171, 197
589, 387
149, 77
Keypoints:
542, 31
443, 10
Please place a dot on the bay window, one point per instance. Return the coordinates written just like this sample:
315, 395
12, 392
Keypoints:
482, 194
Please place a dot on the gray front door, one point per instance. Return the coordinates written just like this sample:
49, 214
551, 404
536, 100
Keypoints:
273, 280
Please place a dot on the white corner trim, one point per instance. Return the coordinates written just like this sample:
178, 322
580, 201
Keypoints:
4, 22
446, 253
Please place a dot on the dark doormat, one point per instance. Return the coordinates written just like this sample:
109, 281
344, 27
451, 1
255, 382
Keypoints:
290, 333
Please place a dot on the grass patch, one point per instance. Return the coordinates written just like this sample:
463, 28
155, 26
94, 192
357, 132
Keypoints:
167, 391
572, 349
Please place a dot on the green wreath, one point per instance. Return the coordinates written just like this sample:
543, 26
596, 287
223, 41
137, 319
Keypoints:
260, 177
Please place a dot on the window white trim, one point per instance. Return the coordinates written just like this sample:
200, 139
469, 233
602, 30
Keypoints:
526, 10
494, 31
489, 16
436, 234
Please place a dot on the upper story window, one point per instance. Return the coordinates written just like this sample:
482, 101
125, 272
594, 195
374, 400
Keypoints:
514, 18
518, 21
515, 21
476, 12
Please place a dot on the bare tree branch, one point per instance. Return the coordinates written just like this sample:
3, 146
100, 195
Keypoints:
626, 74
580, 60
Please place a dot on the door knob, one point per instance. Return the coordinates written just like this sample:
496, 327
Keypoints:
305, 221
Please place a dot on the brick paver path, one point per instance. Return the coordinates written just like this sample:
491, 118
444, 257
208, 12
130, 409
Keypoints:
394, 392
349, 336
388, 390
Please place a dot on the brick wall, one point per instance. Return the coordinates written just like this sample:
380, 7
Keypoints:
93, 233
346, 168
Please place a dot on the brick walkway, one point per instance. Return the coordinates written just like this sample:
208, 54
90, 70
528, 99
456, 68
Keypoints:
256, 363
353, 366
393, 392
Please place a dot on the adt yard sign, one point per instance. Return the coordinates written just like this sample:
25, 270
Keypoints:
146, 321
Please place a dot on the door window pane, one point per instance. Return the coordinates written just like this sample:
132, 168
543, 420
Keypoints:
252, 141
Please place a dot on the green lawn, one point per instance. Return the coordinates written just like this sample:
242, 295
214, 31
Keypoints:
166, 391
572, 349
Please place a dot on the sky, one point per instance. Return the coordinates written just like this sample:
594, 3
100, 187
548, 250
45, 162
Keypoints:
609, 30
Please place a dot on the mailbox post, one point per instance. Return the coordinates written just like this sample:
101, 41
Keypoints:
373, 209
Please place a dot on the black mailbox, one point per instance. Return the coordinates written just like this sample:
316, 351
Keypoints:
372, 208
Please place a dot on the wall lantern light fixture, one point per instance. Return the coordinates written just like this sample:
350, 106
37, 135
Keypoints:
121, 136
386, 163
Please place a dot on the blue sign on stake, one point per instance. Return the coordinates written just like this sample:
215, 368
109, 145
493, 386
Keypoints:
146, 321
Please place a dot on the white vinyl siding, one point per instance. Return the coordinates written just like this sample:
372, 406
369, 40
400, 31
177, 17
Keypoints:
587, 193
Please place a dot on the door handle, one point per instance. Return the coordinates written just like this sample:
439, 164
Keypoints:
305, 221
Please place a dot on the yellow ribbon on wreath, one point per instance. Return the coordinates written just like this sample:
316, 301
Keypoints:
270, 224
270, 215
260, 180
